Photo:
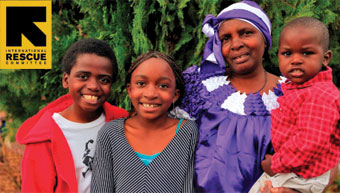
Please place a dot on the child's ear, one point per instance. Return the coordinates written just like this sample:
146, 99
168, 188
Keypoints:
128, 88
176, 95
327, 56
65, 80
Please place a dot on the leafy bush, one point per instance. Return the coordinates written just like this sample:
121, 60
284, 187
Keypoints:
135, 26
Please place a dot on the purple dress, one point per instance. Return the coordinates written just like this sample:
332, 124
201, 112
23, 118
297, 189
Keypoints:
234, 131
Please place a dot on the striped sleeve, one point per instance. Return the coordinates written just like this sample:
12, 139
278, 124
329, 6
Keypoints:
189, 181
102, 169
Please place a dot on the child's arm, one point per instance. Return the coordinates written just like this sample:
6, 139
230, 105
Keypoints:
188, 181
102, 170
315, 123
37, 170
266, 164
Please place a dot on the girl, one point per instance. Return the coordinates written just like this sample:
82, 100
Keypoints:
150, 151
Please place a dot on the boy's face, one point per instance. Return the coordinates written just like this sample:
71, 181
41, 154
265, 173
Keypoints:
301, 55
89, 83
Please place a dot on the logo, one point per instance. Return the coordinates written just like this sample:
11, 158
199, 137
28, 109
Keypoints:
25, 34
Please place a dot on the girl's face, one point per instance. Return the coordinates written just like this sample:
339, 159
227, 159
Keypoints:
152, 89
89, 83
242, 46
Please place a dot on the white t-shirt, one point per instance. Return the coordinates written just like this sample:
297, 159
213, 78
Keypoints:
81, 137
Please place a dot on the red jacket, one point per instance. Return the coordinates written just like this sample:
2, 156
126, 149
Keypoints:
47, 164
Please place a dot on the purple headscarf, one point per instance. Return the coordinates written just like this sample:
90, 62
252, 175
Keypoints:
213, 62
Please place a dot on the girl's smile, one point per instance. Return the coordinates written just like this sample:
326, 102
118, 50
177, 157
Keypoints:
150, 105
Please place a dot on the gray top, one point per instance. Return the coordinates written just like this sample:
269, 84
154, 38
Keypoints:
117, 168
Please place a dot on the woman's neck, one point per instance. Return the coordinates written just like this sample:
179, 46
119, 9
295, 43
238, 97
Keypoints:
253, 82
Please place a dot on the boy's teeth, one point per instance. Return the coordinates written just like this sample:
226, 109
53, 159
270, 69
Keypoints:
149, 105
90, 97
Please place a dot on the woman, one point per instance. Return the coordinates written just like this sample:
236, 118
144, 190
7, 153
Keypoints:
232, 105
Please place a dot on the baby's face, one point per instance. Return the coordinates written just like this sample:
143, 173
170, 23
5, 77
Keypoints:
301, 55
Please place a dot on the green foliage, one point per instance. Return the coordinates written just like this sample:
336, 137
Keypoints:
132, 27
19, 94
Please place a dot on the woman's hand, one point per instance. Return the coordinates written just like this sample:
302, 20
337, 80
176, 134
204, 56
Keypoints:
266, 163
334, 172
268, 188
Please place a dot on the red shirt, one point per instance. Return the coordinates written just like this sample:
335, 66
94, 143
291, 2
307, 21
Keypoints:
305, 128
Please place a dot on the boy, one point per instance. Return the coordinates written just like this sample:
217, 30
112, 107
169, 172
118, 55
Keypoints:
305, 128
60, 139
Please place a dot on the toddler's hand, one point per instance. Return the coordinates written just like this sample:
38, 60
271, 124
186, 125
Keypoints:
266, 163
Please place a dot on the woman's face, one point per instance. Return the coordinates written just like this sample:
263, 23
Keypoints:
242, 46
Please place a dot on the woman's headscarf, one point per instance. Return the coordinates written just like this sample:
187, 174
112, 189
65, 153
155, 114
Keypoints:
213, 62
